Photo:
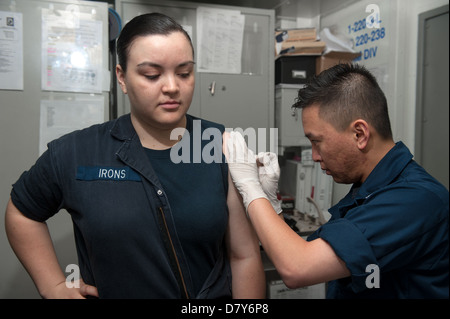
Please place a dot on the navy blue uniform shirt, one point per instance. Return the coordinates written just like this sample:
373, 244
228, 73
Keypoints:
397, 221
200, 214
120, 210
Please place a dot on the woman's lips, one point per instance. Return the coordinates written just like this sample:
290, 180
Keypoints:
170, 105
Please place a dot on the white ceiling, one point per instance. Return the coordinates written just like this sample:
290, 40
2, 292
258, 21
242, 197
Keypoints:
288, 8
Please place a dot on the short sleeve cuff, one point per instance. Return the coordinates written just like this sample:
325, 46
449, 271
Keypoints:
350, 244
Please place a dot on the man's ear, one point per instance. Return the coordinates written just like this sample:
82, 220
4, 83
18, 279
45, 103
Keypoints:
361, 133
121, 78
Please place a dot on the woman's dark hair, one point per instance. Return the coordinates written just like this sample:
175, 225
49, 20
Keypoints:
143, 25
344, 93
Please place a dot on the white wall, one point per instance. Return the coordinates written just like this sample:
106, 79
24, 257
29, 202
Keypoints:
396, 62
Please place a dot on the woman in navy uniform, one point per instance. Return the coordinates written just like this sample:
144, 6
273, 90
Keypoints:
146, 225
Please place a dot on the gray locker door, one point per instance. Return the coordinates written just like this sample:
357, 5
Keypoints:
432, 117
243, 100
240, 100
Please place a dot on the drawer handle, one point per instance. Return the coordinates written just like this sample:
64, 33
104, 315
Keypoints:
299, 74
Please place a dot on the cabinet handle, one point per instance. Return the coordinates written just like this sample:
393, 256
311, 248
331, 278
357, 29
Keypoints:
212, 87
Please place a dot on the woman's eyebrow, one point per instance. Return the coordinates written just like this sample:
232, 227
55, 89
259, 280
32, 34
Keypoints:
186, 63
151, 64
156, 65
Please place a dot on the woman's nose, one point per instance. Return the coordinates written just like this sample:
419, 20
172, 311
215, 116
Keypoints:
170, 85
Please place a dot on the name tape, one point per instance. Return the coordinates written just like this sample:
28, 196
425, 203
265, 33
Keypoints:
91, 173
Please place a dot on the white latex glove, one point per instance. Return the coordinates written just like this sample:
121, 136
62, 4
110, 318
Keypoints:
269, 174
243, 169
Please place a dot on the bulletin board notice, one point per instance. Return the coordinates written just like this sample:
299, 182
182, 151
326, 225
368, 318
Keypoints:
71, 52
219, 43
59, 117
11, 51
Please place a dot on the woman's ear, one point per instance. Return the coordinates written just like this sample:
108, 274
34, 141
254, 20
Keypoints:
120, 74
361, 133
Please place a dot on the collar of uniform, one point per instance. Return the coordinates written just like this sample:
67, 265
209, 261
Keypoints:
131, 151
386, 171
123, 128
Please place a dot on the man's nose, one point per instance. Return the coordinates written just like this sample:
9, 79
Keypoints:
316, 156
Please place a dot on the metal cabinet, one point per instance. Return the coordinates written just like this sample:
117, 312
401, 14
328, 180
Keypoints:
239, 100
